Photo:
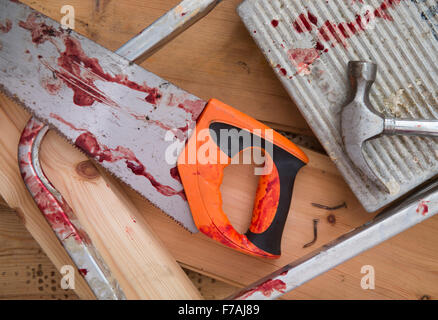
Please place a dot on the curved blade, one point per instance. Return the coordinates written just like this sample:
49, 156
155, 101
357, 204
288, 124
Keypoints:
61, 217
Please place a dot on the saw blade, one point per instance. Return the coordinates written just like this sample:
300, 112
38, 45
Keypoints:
127, 119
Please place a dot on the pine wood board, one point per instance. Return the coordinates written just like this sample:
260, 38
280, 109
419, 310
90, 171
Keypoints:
27, 273
412, 256
25, 270
97, 201
13, 189
215, 58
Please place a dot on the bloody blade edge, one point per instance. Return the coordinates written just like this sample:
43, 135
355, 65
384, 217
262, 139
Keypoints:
101, 103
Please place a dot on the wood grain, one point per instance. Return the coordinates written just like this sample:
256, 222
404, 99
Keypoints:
152, 273
132, 250
27, 273
406, 266
412, 255
319, 182
17, 197
25, 270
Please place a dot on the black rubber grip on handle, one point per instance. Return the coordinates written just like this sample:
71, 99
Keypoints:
288, 167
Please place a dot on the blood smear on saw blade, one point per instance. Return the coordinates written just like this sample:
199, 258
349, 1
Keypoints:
116, 111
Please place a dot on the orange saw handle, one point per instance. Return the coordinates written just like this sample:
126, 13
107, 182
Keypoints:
201, 167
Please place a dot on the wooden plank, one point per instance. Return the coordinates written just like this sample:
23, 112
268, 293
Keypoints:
152, 272
27, 273
216, 58
210, 288
134, 253
405, 266
14, 190
411, 256
319, 182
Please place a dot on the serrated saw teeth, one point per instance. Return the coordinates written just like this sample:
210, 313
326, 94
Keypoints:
117, 112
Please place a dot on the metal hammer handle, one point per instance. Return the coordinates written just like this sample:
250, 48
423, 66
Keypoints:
427, 128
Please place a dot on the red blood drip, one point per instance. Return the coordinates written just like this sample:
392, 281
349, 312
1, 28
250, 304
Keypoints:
75, 64
274, 23
40, 31
6, 27
227, 235
331, 32
89, 144
184, 129
78, 71
319, 46
175, 174
283, 71
335, 32
55, 116
139, 170
268, 193
83, 272
267, 288
52, 210
423, 208
56, 211
304, 22
30, 133
213, 233
51, 85
153, 96
266, 204
312, 18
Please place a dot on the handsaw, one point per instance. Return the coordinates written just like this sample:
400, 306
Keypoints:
50, 201
127, 119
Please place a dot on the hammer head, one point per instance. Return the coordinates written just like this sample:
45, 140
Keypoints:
360, 122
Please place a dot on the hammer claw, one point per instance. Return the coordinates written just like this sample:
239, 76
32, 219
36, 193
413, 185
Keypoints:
361, 122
